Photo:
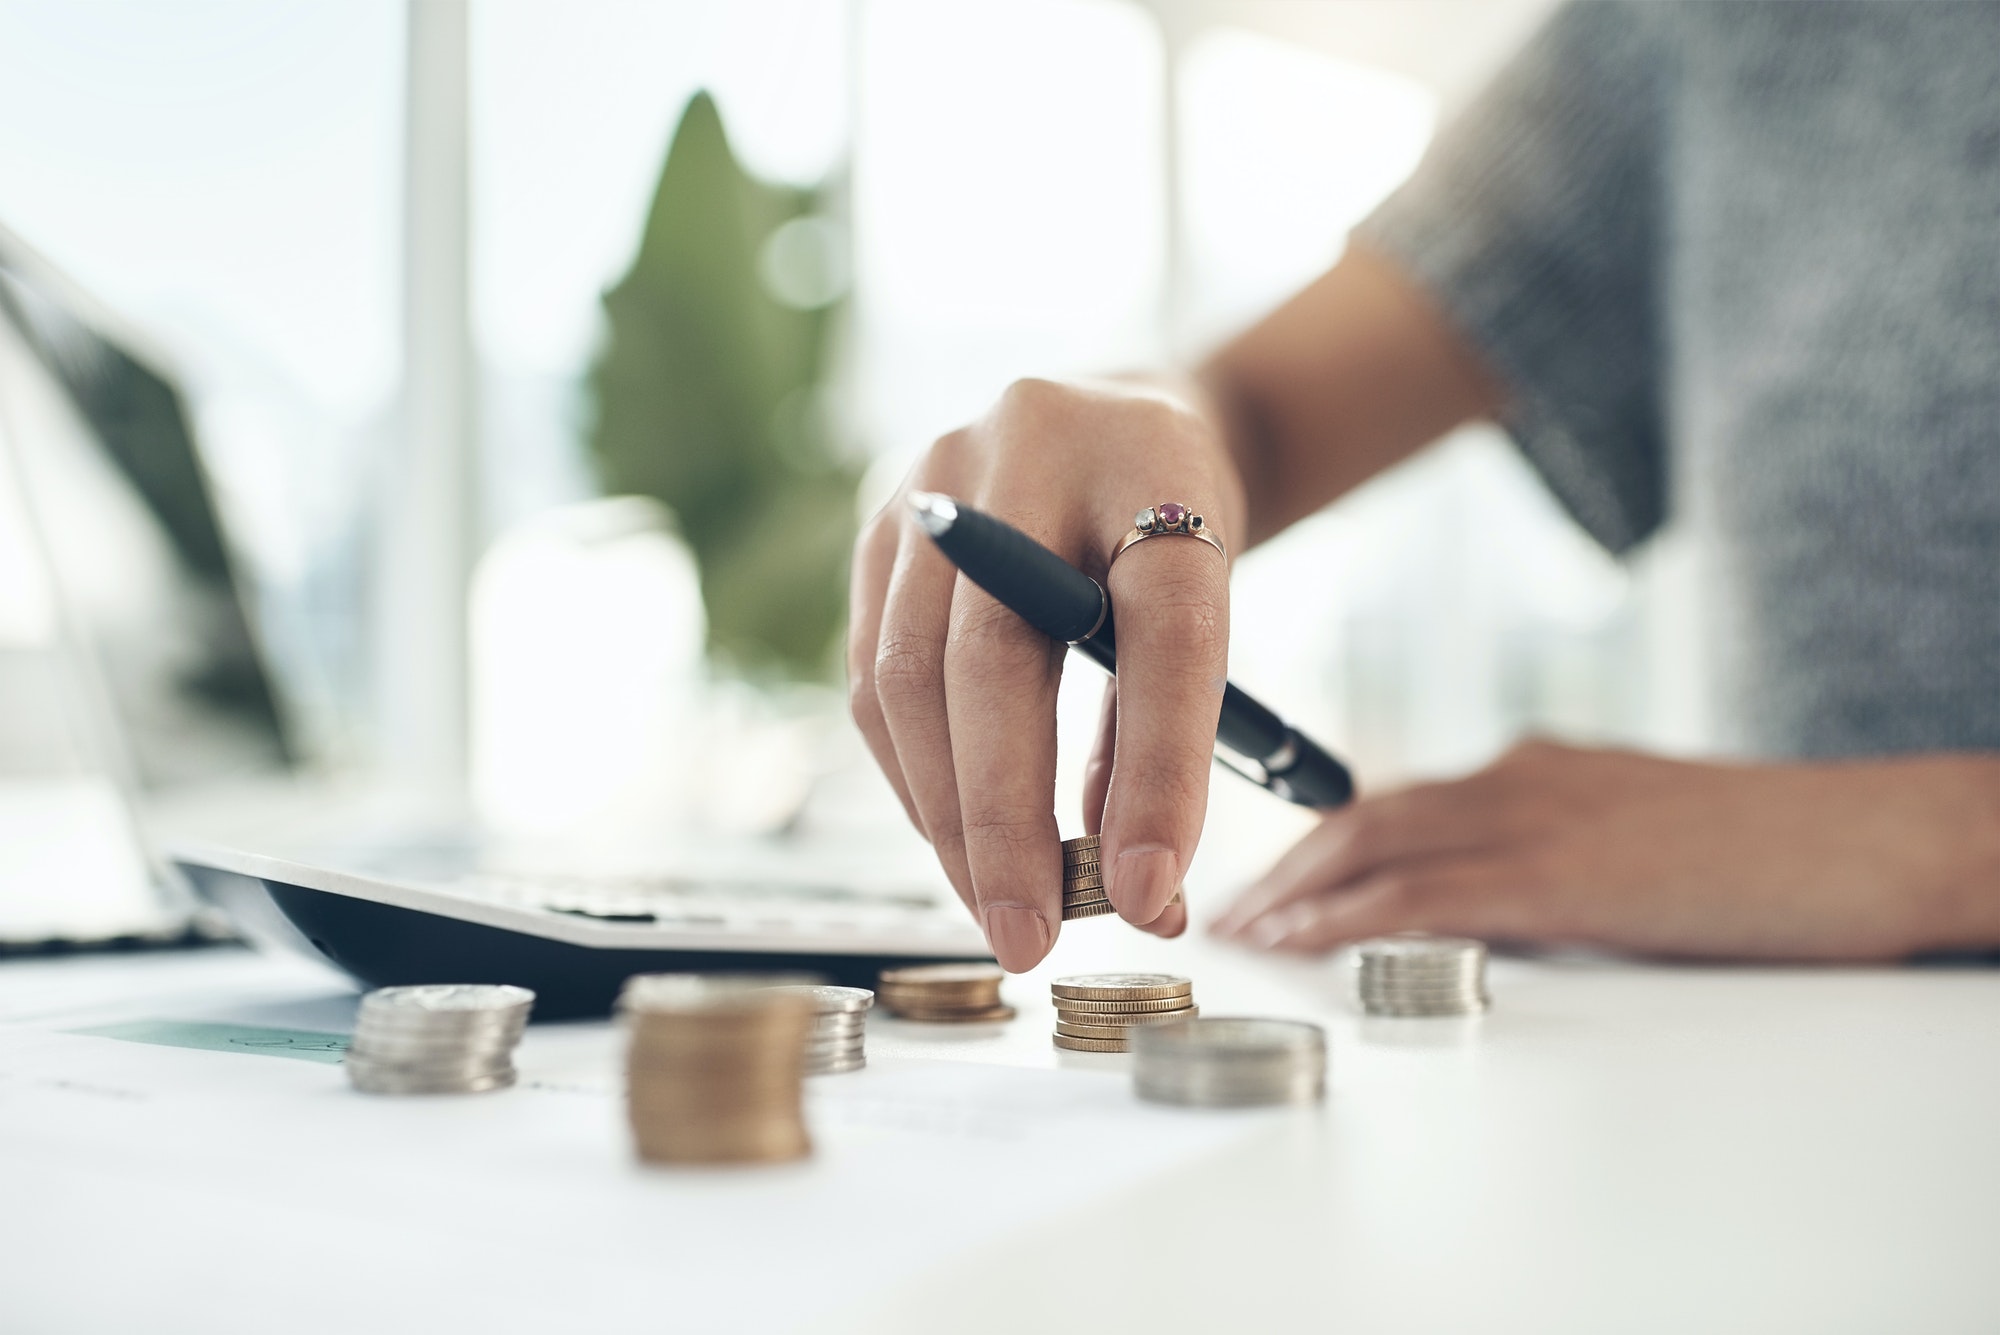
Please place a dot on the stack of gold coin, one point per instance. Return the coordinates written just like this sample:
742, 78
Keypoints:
1097, 1012
944, 993
1083, 880
715, 1069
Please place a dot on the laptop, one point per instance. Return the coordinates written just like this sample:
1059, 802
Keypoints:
159, 680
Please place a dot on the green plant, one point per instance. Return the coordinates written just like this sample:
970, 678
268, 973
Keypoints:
706, 395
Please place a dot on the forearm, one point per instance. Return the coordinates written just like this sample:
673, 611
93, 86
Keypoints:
1355, 373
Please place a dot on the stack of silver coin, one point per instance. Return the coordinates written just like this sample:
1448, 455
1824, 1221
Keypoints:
840, 1027
437, 1038
1414, 975
1230, 1063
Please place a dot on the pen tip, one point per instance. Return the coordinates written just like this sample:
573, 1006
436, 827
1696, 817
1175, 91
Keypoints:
935, 513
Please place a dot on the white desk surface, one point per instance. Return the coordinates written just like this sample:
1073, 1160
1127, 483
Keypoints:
1614, 1148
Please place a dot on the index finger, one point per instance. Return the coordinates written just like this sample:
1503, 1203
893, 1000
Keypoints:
1001, 676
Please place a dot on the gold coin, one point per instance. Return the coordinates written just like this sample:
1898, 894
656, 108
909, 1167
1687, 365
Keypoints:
1135, 1006
899, 1000
944, 973
1080, 844
1087, 1025
1089, 1044
722, 1145
1121, 986
986, 1016
1072, 912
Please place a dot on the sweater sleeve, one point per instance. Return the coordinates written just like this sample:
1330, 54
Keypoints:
1534, 223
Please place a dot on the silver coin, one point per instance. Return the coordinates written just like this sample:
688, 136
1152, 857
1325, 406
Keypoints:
372, 1083
449, 997
1415, 945
470, 1063
1409, 1012
836, 1040
1227, 1037
1303, 1089
837, 1067
828, 999
1114, 986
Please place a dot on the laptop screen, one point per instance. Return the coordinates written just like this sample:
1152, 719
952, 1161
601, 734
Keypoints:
127, 523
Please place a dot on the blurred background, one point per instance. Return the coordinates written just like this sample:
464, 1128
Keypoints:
546, 358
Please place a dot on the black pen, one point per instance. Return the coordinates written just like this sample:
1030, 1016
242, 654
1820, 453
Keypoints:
1063, 603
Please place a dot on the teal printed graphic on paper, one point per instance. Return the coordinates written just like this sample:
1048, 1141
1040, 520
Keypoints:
298, 1044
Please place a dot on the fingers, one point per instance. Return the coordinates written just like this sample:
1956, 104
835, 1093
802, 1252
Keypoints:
1001, 677
910, 690
1172, 598
874, 557
1097, 770
1421, 822
1481, 897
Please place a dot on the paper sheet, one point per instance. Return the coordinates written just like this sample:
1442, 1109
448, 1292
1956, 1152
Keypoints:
226, 1191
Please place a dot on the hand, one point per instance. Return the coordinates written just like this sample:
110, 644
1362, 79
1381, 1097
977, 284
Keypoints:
1854, 861
956, 695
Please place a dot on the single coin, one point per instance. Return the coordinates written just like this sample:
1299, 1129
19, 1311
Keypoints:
944, 973
1072, 912
1084, 1029
1233, 1038
1078, 871
1133, 1006
711, 997
1089, 1044
1081, 844
1121, 986
990, 1015
450, 997
903, 998
830, 1000
372, 1082
1416, 946
1122, 1024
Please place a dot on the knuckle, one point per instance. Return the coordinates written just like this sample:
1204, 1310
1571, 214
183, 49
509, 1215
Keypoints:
880, 525
1007, 826
941, 464
907, 670
863, 705
1033, 400
989, 643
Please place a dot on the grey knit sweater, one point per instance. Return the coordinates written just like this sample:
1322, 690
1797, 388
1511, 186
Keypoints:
1739, 265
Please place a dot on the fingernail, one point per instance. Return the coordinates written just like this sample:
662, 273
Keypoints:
1143, 882
1019, 936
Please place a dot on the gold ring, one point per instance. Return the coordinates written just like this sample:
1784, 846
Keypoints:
1169, 517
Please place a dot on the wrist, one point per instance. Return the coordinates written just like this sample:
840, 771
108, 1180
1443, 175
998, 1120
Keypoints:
1961, 905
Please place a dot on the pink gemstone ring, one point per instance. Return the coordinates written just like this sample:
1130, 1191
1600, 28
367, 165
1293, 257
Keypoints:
1168, 517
